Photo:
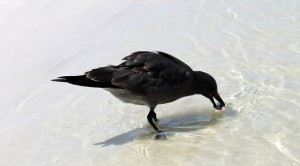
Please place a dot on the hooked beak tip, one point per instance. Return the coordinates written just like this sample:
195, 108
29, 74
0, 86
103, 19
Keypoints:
221, 102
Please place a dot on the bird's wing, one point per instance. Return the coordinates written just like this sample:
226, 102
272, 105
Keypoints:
142, 72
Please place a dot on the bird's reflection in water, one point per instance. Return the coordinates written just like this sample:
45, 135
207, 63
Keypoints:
186, 122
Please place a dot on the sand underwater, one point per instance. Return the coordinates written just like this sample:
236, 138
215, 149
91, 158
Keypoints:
252, 48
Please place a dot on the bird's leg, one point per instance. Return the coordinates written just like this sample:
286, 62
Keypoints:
154, 117
150, 117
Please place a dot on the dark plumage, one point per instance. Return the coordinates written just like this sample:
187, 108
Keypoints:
149, 78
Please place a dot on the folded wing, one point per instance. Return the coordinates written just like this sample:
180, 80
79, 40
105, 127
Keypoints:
143, 72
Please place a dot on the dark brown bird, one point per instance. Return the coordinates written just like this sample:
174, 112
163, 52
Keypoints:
149, 78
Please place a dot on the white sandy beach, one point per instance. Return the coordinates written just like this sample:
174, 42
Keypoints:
252, 48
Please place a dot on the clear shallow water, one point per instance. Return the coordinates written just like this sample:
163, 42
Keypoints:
251, 48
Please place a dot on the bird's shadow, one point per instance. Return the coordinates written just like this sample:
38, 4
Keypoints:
171, 125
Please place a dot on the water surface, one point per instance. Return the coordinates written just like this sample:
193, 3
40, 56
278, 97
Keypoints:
251, 48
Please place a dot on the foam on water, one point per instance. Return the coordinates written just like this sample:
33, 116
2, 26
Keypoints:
252, 48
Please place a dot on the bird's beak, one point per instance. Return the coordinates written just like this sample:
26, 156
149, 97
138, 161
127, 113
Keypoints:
219, 99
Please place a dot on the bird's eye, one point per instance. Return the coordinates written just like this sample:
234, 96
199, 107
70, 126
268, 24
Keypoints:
187, 74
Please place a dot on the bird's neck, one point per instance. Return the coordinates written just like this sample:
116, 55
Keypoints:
199, 82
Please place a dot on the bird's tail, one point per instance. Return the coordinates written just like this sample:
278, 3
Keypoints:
82, 80
70, 79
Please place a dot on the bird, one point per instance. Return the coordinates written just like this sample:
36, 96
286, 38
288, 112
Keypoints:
149, 78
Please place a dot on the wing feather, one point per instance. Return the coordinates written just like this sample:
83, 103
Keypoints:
143, 72
152, 70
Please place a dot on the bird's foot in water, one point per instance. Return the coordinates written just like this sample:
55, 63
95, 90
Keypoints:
159, 131
160, 135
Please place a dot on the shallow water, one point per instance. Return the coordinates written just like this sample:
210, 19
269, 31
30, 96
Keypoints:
251, 48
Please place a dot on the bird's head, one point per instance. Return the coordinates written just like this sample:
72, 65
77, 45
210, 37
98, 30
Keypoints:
206, 85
